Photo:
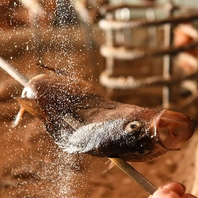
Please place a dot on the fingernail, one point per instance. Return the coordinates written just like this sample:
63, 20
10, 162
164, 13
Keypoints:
176, 187
184, 187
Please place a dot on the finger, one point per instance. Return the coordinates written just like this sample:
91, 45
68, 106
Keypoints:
165, 193
176, 187
188, 196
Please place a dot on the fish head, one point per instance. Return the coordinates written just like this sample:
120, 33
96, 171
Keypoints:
141, 136
167, 131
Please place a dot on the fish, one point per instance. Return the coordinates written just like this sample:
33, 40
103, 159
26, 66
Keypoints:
82, 121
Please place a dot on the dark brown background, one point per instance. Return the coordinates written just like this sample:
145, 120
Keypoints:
32, 165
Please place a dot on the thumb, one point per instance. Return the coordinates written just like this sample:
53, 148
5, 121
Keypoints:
165, 193
171, 190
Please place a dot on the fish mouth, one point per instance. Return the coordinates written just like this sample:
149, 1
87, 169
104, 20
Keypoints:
169, 130
172, 129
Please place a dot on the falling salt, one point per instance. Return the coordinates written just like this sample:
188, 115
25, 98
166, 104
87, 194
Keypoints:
15, 4
65, 172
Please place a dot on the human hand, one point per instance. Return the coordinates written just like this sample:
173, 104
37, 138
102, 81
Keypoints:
172, 190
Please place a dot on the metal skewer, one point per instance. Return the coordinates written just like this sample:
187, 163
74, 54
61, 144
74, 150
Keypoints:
122, 164
13, 72
134, 174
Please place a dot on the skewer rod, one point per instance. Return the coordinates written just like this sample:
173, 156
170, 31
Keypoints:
13, 72
134, 174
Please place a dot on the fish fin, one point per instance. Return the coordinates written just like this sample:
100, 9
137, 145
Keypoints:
73, 122
18, 117
110, 166
31, 106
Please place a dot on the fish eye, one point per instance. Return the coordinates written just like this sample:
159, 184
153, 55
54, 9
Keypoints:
144, 152
133, 126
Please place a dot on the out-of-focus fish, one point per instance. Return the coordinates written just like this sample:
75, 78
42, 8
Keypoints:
82, 121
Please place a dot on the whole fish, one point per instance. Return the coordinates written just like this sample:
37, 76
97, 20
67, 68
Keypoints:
82, 121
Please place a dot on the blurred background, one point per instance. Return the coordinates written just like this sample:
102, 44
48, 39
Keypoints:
141, 52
